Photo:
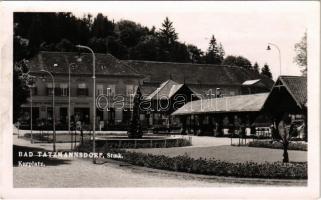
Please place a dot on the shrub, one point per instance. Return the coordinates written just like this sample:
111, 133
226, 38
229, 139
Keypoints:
126, 144
277, 145
184, 163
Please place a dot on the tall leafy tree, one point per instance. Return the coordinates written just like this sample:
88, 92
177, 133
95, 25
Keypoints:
266, 71
215, 52
179, 53
21, 51
195, 53
146, 49
237, 61
130, 32
301, 54
20, 91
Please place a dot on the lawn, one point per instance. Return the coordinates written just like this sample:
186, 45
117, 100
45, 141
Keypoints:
229, 153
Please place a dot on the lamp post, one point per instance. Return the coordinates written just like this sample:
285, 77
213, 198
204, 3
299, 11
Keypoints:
276, 46
30, 90
53, 108
69, 108
94, 96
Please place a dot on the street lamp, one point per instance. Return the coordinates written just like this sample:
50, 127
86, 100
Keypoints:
69, 66
94, 96
269, 48
53, 108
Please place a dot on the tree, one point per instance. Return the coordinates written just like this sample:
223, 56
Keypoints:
21, 51
65, 45
239, 61
135, 128
147, 49
99, 45
102, 27
286, 131
20, 90
221, 51
215, 52
179, 53
195, 53
256, 68
167, 33
301, 54
266, 71
117, 48
130, 32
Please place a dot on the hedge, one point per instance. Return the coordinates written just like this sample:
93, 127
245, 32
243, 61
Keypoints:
277, 145
185, 163
148, 143
114, 144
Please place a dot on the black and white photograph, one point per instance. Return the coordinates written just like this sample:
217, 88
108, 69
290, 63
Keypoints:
160, 98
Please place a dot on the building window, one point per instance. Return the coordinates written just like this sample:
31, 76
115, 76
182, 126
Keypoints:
118, 116
82, 89
130, 89
34, 90
49, 89
99, 89
64, 89
111, 90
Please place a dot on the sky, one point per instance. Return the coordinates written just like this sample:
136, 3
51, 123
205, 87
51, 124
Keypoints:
243, 28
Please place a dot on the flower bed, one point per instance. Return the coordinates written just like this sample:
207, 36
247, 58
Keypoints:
118, 143
277, 145
184, 163
216, 167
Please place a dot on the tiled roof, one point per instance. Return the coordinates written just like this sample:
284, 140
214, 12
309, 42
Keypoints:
166, 89
58, 62
297, 86
239, 103
190, 73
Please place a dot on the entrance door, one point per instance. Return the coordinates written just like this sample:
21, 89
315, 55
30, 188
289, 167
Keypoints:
63, 115
82, 114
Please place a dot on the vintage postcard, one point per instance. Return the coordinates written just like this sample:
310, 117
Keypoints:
160, 100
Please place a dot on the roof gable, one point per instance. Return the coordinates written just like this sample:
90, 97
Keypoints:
297, 87
166, 89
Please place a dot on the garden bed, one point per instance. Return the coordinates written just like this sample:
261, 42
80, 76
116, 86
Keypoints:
145, 142
185, 163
